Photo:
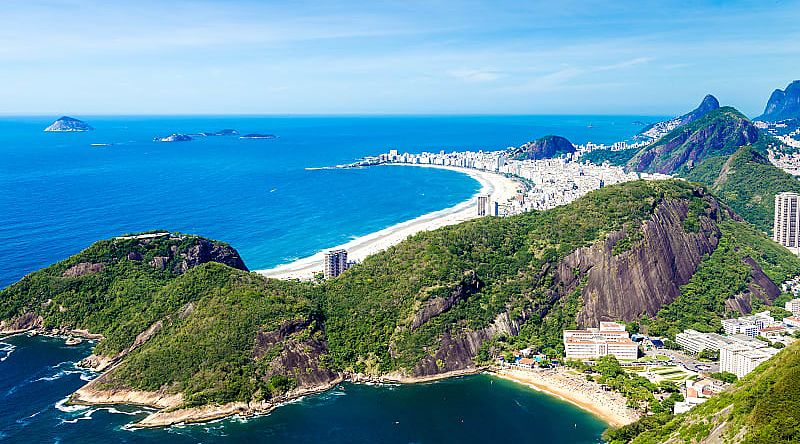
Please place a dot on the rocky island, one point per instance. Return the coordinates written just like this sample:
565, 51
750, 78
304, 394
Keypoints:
66, 124
175, 137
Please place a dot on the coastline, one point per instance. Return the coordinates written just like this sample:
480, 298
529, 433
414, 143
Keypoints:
500, 187
561, 383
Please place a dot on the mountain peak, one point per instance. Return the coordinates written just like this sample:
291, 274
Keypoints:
783, 104
709, 103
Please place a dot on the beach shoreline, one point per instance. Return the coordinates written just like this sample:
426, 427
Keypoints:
499, 186
561, 383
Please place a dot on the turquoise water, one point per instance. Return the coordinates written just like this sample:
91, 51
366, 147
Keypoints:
40, 371
58, 194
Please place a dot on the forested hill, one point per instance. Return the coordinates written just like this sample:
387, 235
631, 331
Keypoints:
761, 408
718, 133
441, 301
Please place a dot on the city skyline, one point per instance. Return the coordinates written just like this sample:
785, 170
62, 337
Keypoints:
245, 57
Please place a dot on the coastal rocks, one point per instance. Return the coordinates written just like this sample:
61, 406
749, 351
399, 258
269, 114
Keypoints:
24, 322
66, 124
225, 132
91, 394
174, 138
543, 148
83, 269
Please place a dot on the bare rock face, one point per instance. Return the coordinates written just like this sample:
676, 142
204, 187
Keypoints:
26, 321
206, 251
438, 305
83, 269
295, 350
649, 276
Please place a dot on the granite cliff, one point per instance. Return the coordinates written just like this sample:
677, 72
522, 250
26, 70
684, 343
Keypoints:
783, 104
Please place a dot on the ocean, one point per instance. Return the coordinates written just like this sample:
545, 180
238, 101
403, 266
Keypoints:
59, 192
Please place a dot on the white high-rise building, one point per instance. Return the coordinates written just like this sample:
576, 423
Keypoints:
335, 263
786, 226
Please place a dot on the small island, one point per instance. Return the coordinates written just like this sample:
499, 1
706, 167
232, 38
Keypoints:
258, 136
175, 137
66, 124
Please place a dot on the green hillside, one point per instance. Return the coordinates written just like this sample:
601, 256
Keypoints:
440, 301
719, 133
748, 182
763, 407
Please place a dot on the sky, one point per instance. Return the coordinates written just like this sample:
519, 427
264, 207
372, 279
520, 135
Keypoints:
393, 57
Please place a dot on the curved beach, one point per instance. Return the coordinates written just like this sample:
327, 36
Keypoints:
500, 187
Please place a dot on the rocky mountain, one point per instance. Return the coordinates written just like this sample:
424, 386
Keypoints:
760, 408
719, 132
543, 148
783, 104
658, 130
193, 336
66, 124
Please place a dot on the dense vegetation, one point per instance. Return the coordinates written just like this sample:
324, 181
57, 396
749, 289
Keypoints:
391, 313
747, 181
763, 407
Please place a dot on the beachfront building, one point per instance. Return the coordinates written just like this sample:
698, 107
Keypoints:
609, 339
741, 359
483, 205
786, 224
694, 341
793, 306
748, 325
792, 322
335, 263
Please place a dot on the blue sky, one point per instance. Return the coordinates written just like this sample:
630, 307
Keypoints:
398, 57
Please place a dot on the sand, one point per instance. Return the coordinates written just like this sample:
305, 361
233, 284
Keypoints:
572, 387
500, 187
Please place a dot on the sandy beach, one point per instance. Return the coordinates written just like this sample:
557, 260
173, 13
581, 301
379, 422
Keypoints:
572, 387
500, 187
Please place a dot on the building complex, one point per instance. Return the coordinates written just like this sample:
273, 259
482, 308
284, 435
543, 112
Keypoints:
609, 339
786, 225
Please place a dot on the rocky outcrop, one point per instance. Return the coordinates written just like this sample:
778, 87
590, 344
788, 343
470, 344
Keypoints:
295, 350
783, 104
82, 269
174, 138
206, 251
438, 305
66, 124
709, 103
543, 148
24, 322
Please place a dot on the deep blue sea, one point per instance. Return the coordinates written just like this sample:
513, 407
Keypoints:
59, 192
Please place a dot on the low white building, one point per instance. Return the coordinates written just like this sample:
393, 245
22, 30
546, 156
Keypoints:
694, 341
610, 339
748, 325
